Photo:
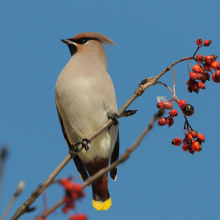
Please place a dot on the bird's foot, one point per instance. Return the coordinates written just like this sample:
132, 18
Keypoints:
114, 118
84, 142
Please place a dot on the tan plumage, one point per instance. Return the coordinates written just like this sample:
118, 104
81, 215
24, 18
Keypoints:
85, 97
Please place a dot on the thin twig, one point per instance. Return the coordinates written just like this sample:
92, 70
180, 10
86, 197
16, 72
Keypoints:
18, 191
174, 91
167, 88
44, 196
196, 51
188, 66
3, 156
8, 207
52, 208
138, 92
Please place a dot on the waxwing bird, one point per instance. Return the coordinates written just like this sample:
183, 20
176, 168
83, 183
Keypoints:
85, 99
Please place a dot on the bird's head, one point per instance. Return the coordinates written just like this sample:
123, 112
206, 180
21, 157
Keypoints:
87, 42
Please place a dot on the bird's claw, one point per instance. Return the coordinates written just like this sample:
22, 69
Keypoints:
114, 118
84, 142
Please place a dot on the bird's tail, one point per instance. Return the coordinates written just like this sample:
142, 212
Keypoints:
98, 203
101, 198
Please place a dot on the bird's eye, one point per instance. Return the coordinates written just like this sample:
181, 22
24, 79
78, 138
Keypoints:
83, 40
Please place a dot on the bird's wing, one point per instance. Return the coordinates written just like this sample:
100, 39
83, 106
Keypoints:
79, 165
114, 157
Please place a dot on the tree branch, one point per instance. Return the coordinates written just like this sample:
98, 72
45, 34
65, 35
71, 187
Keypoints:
18, 191
52, 208
3, 156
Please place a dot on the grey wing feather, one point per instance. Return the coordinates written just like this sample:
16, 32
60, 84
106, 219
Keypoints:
114, 157
79, 165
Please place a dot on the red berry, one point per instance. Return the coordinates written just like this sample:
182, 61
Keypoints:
173, 112
162, 121
207, 43
196, 146
182, 104
160, 105
215, 65
198, 76
207, 76
193, 133
197, 69
207, 67
188, 139
199, 42
185, 147
215, 78
199, 57
67, 184
209, 59
177, 141
170, 121
188, 110
195, 86
217, 73
191, 151
201, 85
168, 105
65, 209
192, 76
203, 77
190, 89
189, 82
200, 137
78, 217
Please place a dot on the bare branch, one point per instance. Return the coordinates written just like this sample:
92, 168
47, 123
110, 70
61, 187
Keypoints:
18, 191
167, 88
52, 208
3, 156
188, 66
174, 91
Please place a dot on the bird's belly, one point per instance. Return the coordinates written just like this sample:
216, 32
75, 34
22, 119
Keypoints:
101, 147
82, 116
84, 104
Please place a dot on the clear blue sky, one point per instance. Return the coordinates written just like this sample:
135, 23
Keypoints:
159, 181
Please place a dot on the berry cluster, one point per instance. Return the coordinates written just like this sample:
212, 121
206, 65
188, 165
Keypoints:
197, 78
192, 141
201, 71
73, 192
187, 110
173, 113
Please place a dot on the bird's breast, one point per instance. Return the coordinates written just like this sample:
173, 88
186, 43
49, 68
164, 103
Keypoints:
84, 97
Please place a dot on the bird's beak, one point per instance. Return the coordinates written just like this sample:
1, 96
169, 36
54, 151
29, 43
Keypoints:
66, 41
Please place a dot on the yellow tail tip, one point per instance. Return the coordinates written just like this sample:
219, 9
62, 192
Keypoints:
99, 205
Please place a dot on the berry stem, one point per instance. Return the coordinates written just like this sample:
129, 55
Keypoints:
188, 66
174, 92
186, 124
174, 98
197, 50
